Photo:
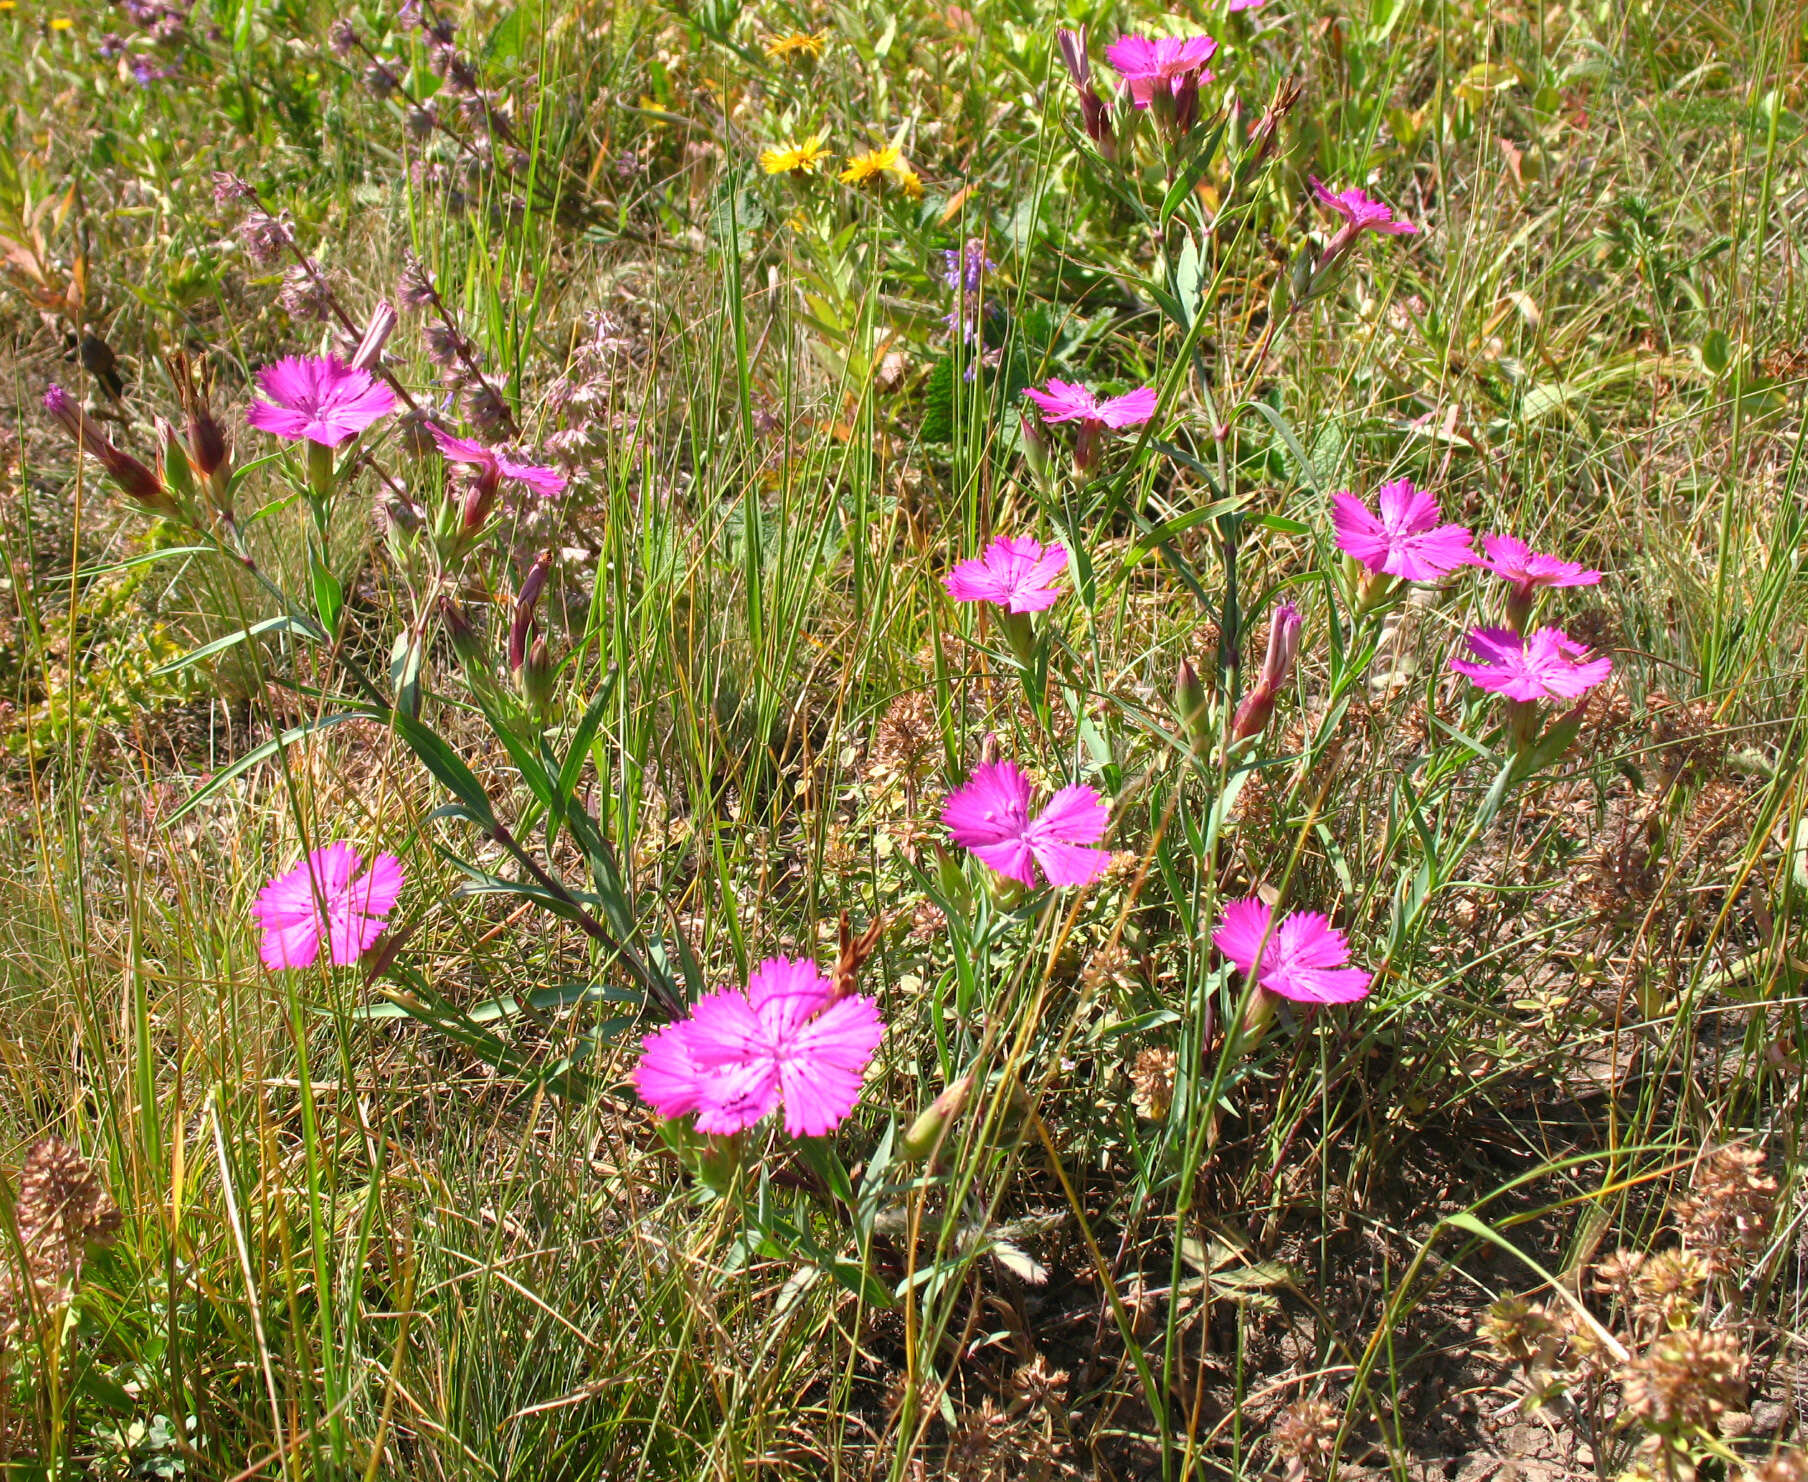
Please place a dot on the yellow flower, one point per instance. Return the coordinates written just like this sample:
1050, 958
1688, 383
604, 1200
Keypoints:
793, 44
888, 161
802, 157
60, 23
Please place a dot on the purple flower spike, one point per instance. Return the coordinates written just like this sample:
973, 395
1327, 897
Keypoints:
325, 896
544, 481
319, 398
1303, 958
1016, 573
1548, 665
991, 817
1406, 541
1512, 560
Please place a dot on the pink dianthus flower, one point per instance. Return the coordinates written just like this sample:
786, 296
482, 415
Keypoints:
991, 817
544, 481
1069, 401
1164, 64
1512, 560
1361, 212
1406, 540
319, 398
1015, 572
1303, 958
325, 896
1547, 665
785, 1039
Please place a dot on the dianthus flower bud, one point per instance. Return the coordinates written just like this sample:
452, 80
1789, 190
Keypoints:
1267, 127
125, 470
526, 600
206, 441
923, 1133
1254, 713
537, 675
1035, 447
480, 499
370, 349
172, 460
466, 642
1095, 117
1193, 706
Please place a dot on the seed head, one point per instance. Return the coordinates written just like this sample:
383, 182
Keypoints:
1305, 1436
1730, 1210
1785, 1466
1152, 1082
1667, 1288
1517, 1330
305, 295
1686, 1380
263, 236
61, 1212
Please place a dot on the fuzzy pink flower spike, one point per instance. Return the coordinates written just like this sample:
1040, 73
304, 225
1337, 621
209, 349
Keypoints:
991, 817
325, 896
318, 398
1547, 665
1015, 573
544, 481
1304, 957
785, 1039
1405, 540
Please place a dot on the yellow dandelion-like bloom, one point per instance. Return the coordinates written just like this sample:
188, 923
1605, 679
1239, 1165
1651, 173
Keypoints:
800, 157
877, 162
60, 23
870, 166
793, 44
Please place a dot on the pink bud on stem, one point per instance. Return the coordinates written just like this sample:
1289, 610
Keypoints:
1257, 709
139, 482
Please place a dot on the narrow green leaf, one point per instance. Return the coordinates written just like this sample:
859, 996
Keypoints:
259, 753
283, 624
